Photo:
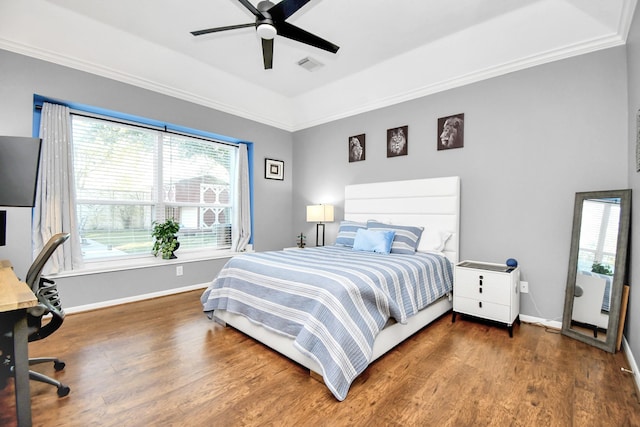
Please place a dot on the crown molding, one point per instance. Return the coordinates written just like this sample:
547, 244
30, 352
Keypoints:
141, 82
473, 77
428, 89
626, 18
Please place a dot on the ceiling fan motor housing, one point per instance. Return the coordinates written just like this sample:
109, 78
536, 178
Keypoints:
266, 31
265, 27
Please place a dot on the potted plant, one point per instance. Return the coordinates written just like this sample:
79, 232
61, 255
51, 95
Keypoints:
301, 240
601, 269
166, 238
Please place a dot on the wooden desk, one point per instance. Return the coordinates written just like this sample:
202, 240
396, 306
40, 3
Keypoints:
16, 297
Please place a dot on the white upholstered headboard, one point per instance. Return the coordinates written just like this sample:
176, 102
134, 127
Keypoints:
432, 203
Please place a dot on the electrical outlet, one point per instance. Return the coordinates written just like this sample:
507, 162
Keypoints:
179, 270
524, 287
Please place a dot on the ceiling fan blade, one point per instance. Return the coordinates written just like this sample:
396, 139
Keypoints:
252, 8
267, 53
286, 8
218, 29
298, 34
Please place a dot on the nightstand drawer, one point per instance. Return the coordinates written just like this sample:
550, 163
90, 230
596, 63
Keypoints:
484, 285
484, 309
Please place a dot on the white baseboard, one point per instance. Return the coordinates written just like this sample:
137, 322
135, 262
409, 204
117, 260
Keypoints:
632, 364
111, 303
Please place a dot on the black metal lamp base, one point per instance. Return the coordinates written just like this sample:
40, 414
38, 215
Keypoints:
318, 234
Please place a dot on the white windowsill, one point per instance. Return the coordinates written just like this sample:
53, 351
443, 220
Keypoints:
146, 262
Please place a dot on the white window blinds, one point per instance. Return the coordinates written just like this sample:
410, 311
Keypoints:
129, 176
598, 233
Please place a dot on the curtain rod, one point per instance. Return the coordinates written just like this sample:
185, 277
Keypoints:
143, 126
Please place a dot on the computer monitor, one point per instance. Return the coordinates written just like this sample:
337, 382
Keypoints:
19, 162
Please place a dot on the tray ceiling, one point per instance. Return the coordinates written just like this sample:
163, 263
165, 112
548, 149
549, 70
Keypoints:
390, 51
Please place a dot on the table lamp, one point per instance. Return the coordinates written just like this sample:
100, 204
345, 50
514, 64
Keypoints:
319, 214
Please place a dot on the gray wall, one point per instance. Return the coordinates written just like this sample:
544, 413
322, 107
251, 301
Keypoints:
533, 139
632, 330
21, 77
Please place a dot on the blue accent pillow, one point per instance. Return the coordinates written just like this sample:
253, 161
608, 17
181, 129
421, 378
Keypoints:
406, 238
373, 241
347, 232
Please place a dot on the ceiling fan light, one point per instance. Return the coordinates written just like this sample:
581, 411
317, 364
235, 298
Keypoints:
266, 31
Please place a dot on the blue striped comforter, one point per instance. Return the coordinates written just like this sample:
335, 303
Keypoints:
331, 300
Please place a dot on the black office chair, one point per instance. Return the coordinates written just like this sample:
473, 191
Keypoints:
48, 303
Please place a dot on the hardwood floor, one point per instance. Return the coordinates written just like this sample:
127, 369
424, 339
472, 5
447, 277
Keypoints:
162, 362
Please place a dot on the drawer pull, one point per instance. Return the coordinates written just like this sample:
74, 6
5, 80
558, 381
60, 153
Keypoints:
480, 290
480, 304
480, 281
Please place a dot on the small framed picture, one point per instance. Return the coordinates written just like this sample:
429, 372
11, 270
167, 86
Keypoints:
274, 169
451, 132
357, 148
398, 141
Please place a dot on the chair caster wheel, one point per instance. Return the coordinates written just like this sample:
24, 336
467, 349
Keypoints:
63, 390
59, 366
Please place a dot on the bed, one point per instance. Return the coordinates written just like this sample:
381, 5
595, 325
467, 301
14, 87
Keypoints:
381, 322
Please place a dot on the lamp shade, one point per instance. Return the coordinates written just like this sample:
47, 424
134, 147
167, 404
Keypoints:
320, 213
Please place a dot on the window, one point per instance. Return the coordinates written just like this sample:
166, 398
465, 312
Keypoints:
598, 233
128, 176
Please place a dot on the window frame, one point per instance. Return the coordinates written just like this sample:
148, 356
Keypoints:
124, 118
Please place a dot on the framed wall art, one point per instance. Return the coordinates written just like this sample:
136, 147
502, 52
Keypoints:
357, 148
274, 169
451, 132
398, 141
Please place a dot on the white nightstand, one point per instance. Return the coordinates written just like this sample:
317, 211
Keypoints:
488, 291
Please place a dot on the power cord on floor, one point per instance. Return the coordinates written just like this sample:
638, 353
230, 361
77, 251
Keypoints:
547, 328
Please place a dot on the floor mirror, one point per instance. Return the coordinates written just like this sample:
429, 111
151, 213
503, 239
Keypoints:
597, 267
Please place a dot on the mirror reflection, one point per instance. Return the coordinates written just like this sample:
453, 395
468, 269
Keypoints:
596, 265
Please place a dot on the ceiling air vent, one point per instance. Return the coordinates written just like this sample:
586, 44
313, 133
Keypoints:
310, 64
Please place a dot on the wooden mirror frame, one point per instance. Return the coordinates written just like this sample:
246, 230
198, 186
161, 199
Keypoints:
619, 275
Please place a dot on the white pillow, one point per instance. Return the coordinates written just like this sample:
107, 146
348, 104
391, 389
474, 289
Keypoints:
434, 240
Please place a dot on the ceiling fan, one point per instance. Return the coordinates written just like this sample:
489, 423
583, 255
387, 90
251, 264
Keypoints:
270, 21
